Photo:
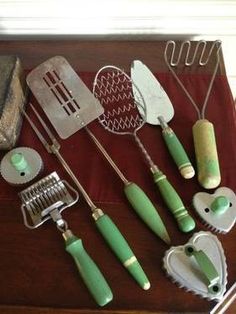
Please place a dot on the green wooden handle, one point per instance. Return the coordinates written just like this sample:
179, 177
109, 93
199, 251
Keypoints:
146, 210
91, 275
178, 153
206, 154
174, 202
121, 248
208, 269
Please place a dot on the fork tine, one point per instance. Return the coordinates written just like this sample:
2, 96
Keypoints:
51, 136
37, 132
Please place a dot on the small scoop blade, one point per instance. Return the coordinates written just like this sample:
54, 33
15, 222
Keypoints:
156, 100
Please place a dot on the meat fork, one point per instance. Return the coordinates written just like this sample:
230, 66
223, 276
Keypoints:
105, 225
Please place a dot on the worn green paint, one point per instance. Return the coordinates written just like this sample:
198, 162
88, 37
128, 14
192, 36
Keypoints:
178, 153
174, 202
18, 161
220, 205
121, 248
206, 154
91, 275
146, 210
209, 272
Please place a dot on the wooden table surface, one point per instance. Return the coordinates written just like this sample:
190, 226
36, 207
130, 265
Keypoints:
36, 275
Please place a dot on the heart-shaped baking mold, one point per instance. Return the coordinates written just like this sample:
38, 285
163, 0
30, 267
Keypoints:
185, 271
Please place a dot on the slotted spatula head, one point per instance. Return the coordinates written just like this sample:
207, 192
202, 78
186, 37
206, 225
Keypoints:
65, 99
156, 100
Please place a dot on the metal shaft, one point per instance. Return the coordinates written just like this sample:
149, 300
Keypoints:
73, 177
106, 155
54, 148
145, 153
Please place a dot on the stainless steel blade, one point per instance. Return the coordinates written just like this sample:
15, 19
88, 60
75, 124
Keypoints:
156, 100
65, 99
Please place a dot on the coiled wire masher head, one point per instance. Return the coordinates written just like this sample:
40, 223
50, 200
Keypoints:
46, 199
121, 98
201, 56
115, 91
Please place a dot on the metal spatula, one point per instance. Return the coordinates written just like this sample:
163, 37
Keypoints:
159, 111
68, 107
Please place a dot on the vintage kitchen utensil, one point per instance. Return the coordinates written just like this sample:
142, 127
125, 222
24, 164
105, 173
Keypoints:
63, 96
114, 89
203, 131
137, 198
217, 210
46, 199
21, 165
199, 266
105, 225
226, 301
56, 94
159, 111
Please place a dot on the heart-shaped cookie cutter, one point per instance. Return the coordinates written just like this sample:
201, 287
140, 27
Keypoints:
217, 210
199, 266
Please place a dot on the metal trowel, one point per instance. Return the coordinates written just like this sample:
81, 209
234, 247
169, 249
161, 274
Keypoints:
159, 111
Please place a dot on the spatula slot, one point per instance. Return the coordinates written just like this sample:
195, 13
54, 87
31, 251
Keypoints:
60, 91
63, 96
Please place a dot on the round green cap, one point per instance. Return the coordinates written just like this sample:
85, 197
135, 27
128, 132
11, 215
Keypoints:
18, 161
220, 205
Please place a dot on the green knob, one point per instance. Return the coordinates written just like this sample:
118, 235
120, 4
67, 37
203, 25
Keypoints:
18, 161
220, 205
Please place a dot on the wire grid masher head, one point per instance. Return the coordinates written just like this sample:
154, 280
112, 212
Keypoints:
115, 91
45, 196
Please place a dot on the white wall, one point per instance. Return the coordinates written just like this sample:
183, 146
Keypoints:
213, 19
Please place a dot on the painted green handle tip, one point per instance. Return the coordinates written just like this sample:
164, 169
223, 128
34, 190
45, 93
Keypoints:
90, 273
186, 224
137, 272
121, 248
209, 182
178, 153
146, 210
187, 172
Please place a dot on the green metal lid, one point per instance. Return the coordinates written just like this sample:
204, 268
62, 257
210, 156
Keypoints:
18, 161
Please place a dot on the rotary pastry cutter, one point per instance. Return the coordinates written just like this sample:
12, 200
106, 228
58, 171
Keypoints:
46, 199
70, 105
203, 131
199, 266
